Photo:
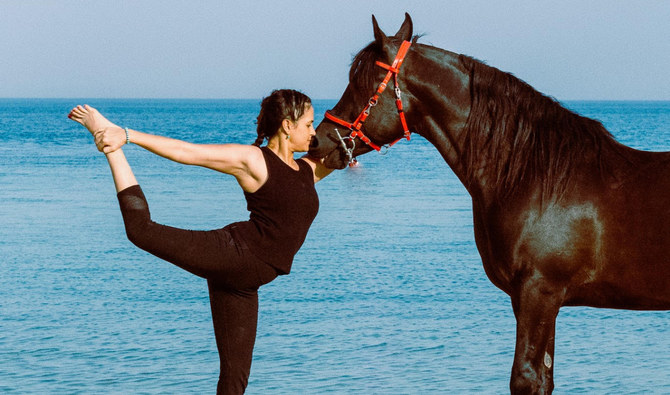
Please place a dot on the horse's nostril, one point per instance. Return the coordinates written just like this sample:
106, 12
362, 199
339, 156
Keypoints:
314, 143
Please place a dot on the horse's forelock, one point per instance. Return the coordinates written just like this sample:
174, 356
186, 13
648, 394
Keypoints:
363, 72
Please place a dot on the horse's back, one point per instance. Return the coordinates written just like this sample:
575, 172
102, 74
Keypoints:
642, 169
633, 259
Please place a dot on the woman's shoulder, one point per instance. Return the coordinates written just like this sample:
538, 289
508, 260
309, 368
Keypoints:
308, 160
249, 157
319, 171
253, 153
306, 163
256, 171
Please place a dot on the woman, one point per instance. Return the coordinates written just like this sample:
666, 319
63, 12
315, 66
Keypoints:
237, 259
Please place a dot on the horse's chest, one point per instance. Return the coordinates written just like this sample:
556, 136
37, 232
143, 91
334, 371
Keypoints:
560, 240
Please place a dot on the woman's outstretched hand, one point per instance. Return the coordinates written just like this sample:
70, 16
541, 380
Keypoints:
108, 136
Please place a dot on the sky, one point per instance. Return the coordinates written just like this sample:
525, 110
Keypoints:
568, 49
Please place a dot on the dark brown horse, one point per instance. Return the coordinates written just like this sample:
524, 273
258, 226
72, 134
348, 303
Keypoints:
564, 215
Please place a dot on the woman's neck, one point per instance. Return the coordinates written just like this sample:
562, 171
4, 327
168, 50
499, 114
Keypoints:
282, 149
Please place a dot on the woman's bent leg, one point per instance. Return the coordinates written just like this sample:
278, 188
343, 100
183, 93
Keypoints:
203, 253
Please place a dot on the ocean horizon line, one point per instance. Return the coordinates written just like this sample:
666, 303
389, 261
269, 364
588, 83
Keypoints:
241, 99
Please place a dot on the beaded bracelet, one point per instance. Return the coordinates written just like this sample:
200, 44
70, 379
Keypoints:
127, 136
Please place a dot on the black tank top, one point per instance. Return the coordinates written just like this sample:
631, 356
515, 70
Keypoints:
281, 212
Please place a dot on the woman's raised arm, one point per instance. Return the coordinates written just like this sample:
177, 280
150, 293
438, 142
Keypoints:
245, 162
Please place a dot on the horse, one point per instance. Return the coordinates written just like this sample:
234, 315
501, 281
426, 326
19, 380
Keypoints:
564, 215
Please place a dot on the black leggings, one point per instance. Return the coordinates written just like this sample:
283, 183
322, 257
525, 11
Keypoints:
233, 275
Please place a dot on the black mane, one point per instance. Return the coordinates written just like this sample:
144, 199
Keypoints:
526, 136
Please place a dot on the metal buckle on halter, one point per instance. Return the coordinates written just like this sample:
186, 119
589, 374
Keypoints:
371, 103
384, 149
349, 151
398, 93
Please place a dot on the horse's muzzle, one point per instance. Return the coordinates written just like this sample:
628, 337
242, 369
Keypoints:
332, 155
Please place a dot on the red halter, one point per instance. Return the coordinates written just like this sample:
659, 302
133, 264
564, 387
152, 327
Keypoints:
355, 126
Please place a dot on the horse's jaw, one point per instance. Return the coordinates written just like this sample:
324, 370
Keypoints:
335, 160
325, 146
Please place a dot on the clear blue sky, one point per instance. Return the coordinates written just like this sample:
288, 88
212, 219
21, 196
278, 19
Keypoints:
574, 49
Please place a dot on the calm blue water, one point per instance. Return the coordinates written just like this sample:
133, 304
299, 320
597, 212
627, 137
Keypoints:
388, 294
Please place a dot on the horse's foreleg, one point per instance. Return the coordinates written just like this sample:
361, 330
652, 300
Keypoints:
536, 306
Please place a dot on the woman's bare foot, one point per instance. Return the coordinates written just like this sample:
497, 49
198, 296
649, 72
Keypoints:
108, 136
90, 118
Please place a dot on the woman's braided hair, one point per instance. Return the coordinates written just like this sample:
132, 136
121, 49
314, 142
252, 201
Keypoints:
281, 104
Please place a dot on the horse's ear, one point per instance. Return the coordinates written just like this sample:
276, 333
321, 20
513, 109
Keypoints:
405, 31
380, 37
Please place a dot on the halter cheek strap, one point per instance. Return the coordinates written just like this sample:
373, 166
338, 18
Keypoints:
355, 127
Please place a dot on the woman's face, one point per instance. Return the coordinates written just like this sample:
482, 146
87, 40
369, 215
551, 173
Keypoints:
302, 131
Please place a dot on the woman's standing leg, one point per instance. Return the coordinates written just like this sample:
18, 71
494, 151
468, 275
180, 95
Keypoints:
235, 317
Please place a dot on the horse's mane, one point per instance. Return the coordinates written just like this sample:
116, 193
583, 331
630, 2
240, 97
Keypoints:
526, 136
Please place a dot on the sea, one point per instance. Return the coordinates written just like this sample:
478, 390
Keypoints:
387, 295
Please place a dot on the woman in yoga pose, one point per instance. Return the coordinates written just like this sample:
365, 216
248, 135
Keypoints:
237, 259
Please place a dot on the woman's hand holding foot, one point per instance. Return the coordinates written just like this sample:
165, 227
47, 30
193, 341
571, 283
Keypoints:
108, 136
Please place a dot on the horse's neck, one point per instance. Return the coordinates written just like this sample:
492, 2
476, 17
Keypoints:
443, 103
493, 163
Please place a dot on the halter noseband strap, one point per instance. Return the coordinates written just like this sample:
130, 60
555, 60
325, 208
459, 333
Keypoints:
356, 126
